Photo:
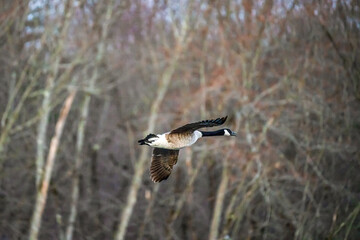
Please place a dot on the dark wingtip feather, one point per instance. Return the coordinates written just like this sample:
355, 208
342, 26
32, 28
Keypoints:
191, 127
223, 119
157, 173
218, 121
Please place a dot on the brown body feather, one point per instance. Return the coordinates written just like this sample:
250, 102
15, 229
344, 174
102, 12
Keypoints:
174, 138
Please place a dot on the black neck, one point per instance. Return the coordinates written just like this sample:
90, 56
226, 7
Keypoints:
214, 133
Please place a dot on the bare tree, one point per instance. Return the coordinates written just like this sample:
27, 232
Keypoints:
285, 73
82, 123
45, 182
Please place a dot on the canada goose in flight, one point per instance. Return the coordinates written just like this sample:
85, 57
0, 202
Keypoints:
167, 145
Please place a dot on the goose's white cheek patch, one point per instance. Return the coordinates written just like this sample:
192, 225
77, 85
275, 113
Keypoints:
226, 133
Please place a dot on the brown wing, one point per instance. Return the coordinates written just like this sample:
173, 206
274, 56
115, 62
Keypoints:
191, 127
162, 163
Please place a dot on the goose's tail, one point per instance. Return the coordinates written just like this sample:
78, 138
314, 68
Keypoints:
146, 140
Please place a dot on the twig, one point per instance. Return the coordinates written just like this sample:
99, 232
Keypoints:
182, 42
45, 182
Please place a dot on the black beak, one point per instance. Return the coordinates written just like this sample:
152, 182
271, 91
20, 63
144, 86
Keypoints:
233, 133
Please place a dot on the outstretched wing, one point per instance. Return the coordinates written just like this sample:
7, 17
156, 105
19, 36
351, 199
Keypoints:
191, 127
162, 162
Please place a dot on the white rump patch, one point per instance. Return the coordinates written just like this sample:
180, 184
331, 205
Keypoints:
160, 141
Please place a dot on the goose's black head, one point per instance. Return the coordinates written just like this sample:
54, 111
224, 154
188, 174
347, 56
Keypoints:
228, 132
220, 132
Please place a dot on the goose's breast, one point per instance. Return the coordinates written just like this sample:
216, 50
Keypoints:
182, 140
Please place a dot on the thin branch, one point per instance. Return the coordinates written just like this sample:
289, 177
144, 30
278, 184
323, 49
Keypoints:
82, 124
140, 165
50, 82
45, 182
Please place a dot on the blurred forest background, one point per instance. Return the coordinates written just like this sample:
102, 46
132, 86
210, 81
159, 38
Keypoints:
82, 81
